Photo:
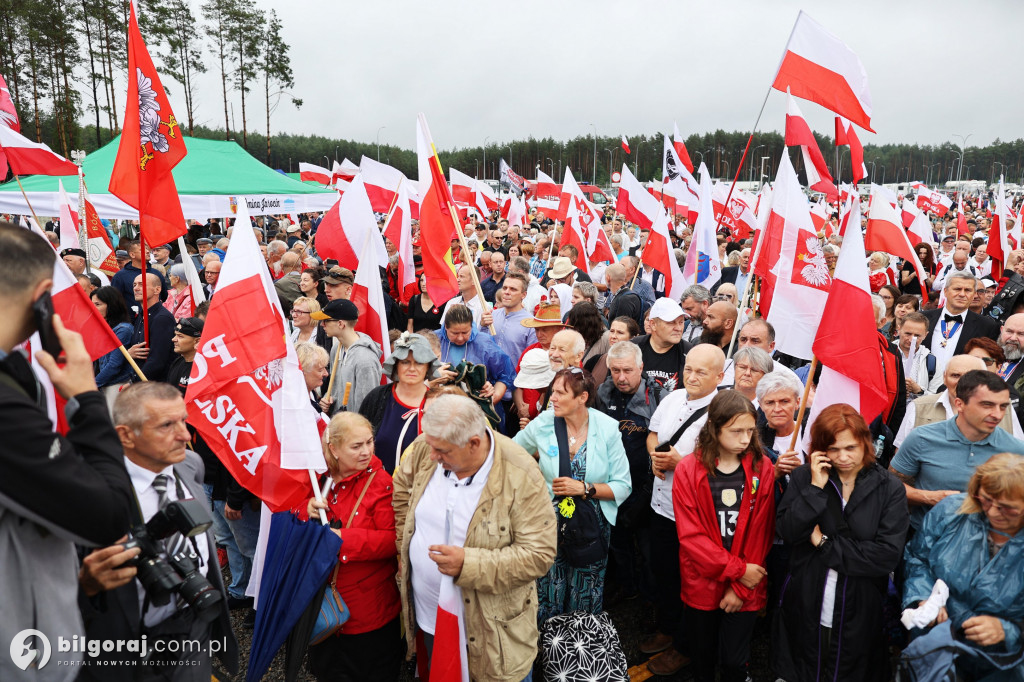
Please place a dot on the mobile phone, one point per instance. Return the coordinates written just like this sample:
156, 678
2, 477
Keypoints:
664, 447
42, 311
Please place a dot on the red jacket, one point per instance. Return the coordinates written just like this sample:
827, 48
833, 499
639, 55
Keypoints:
706, 568
369, 556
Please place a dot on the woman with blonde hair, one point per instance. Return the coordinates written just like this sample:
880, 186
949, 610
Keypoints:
357, 505
303, 328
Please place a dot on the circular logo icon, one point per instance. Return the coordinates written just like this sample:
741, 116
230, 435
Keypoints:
25, 652
616, 176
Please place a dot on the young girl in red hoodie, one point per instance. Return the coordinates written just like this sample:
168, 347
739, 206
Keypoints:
725, 516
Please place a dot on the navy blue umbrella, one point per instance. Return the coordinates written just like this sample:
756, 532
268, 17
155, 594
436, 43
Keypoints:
300, 557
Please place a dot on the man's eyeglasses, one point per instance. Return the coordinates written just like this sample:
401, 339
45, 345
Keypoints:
989, 361
987, 503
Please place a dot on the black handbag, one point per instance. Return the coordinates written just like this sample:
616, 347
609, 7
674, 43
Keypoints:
579, 530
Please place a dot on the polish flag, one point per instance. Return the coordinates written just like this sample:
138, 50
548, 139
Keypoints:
634, 202
345, 171
546, 185
32, 158
68, 220
625, 144
920, 229
8, 119
885, 233
347, 226
961, 219
908, 211
448, 660
820, 67
703, 265
463, 187
802, 277
738, 217
598, 248
573, 232
368, 294
246, 391
819, 214
847, 341
846, 135
881, 192
678, 187
658, 253
381, 182
484, 198
767, 247
436, 221
195, 284
399, 230
936, 202
1000, 243
545, 196
677, 144
514, 210
309, 172
798, 134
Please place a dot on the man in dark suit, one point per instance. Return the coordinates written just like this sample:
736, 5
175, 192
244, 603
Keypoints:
150, 419
736, 274
953, 325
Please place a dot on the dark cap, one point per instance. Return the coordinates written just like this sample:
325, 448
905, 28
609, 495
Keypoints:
204, 240
162, 246
190, 326
121, 254
340, 275
73, 252
338, 309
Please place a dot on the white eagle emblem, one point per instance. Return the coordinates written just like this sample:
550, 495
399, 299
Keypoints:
815, 270
149, 114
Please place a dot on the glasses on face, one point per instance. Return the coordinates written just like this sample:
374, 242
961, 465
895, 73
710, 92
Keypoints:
723, 297
296, 311
744, 369
987, 503
988, 361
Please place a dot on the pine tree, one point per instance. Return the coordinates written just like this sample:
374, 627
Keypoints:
277, 70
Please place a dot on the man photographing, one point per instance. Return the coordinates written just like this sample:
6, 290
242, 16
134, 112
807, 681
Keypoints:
55, 491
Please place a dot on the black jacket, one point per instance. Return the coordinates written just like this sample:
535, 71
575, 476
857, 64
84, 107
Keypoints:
975, 325
865, 543
626, 303
161, 342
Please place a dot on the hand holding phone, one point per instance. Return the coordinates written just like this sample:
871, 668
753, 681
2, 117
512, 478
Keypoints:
76, 375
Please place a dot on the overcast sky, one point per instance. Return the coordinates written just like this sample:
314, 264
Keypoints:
509, 70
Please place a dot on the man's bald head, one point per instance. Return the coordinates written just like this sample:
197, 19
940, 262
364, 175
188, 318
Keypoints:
957, 366
723, 311
703, 371
290, 261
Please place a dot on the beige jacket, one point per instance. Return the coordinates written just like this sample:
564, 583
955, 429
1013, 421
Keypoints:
511, 541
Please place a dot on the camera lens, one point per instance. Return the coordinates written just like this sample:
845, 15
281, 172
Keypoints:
158, 578
196, 590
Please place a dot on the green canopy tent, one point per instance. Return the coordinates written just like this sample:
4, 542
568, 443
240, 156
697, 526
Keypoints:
210, 180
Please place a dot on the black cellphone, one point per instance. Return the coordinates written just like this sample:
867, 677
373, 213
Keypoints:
42, 311
664, 447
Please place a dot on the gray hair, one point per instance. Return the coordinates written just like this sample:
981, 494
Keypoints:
579, 344
698, 293
831, 249
588, 290
879, 305
960, 275
520, 264
617, 238
454, 419
680, 257
311, 353
178, 270
627, 350
130, 406
779, 380
758, 358
277, 246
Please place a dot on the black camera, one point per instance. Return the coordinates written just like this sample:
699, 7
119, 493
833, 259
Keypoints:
178, 573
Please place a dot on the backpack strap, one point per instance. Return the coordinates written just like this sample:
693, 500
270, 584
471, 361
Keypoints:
697, 414
562, 436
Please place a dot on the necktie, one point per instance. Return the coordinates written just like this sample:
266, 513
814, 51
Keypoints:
160, 484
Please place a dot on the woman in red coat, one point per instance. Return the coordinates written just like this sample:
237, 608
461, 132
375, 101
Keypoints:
725, 516
369, 645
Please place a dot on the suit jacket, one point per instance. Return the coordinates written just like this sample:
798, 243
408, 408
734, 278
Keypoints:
975, 325
729, 275
115, 614
288, 290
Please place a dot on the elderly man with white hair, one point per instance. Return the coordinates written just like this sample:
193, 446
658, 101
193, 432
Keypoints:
567, 349
474, 521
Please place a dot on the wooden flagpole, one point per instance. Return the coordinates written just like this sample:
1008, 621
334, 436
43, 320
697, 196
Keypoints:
803, 402
27, 202
131, 361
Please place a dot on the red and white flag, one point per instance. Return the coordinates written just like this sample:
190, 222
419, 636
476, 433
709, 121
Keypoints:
680, 147
484, 198
32, 158
514, 210
847, 341
246, 391
545, 196
819, 214
737, 217
598, 248
309, 172
659, 254
802, 278
1000, 241
846, 135
368, 295
463, 187
98, 246
798, 134
8, 119
436, 223
625, 144
908, 211
381, 182
448, 660
68, 220
347, 226
820, 67
399, 230
345, 171
635, 203
574, 233
936, 202
678, 187
920, 229
961, 219
885, 233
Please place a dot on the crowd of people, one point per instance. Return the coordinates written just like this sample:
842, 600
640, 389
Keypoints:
558, 436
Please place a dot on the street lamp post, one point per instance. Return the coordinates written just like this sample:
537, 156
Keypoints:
883, 175
378, 141
963, 152
593, 177
873, 169
701, 156
610, 167
1002, 168
327, 159
336, 153
754, 156
551, 166
485, 156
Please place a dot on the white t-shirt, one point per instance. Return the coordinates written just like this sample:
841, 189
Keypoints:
442, 518
673, 411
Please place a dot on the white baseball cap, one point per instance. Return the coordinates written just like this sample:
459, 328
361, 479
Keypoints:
666, 309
